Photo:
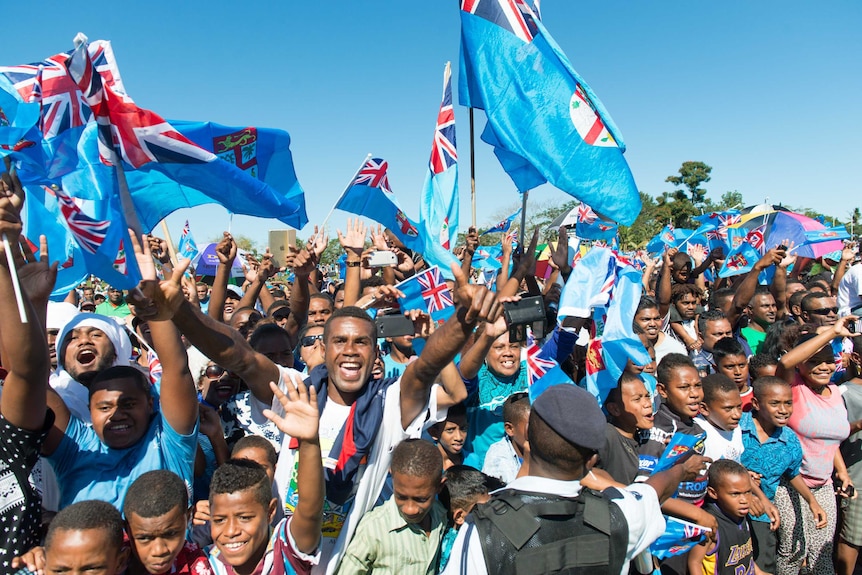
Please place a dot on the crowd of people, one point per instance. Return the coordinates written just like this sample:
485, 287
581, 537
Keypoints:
199, 427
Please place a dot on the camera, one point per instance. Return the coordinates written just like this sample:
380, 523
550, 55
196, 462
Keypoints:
526, 311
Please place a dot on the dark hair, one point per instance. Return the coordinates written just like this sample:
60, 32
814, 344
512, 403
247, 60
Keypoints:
277, 306
373, 281
678, 291
266, 330
516, 408
720, 294
417, 458
615, 395
323, 296
156, 493
122, 372
646, 302
680, 259
759, 361
716, 383
86, 515
242, 475
760, 291
709, 315
761, 384
819, 283
463, 487
552, 449
721, 468
457, 410
350, 311
670, 363
727, 346
796, 299
256, 442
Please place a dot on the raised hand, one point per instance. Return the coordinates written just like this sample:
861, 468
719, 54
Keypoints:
474, 302
560, 255
317, 243
697, 252
301, 414
159, 249
354, 238
301, 261
154, 300
378, 238
37, 277
11, 202
226, 250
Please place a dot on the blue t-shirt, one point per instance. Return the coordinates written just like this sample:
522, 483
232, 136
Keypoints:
779, 457
392, 368
86, 468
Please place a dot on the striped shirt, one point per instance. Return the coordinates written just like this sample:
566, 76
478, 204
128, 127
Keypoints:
386, 544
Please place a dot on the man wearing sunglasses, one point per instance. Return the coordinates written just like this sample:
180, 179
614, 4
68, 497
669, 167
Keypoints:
361, 419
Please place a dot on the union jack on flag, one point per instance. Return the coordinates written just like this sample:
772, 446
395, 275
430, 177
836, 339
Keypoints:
373, 174
435, 292
717, 234
154, 366
444, 154
537, 367
88, 232
728, 219
586, 215
513, 15
63, 105
756, 239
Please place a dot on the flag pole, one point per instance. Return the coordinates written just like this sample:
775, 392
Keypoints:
326, 219
129, 212
472, 172
524, 220
171, 249
13, 269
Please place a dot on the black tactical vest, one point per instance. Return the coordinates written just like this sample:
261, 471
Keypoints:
531, 533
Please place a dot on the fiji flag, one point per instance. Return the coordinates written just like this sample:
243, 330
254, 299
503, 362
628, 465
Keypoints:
504, 225
665, 238
591, 227
739, 261
679, 536
187, 247
438, 208
542, 372
619, 341
369, 195
826, 234
85, 236
589, 285
545, 123
427, 291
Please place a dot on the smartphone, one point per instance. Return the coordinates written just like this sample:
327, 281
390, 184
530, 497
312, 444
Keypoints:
524, 311
394, 325
279, 242
382, 259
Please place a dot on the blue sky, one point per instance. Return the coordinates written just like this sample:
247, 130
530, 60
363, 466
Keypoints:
765, 92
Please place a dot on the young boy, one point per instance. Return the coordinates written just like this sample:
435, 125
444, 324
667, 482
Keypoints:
505, 457
450, 435
681, 391
719, 418
86, 537
772, 450
463, 488
157, 513
404, 534
242, 505
685, 300
732, 551
761, 365
629, 408
730, 360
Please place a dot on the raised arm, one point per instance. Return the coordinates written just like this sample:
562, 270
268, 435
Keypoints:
226, 252
664, 282
353, 242
471, 243
788, 362
779, 284
178, 396
745, 289
301, 421
473, 304
25, 349
503, 274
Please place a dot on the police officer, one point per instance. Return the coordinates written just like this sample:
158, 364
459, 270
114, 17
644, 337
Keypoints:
545, 522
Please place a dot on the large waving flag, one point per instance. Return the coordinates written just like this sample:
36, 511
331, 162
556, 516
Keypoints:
369, 195
544, 121
187, 247
589, 285
619, 341
503, 225
85, 236
85, 106
438, 208
429, 292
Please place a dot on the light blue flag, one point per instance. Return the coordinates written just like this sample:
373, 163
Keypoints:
540, 111
826, 234
503, 225
85, 236
665, 238
427, 291
187, 247
369, 195
596, 230
619, 341
589, 284
679, 537
439, 203
739, 261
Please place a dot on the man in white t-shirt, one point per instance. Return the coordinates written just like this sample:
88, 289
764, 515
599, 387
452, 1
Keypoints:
850, 290
362, 419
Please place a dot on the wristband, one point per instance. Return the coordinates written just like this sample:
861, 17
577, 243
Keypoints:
352, 264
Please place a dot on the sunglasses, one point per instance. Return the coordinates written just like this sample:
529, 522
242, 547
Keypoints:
214, 371
823, 310
308, 340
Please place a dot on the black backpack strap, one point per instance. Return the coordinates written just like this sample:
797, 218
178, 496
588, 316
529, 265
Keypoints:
507, 512
601, 514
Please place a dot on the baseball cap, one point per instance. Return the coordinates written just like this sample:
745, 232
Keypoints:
574, 414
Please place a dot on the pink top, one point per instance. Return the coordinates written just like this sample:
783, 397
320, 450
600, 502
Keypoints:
821, 423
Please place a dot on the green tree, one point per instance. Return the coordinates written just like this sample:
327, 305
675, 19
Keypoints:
691, 176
